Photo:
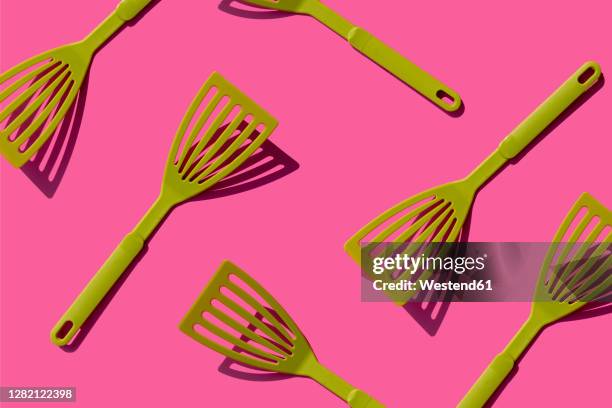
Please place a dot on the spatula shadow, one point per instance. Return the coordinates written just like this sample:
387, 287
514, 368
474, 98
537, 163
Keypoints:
594, 309
269, 164
48, 166
227, 6
430, 314
265, 166
245, 372
242, 371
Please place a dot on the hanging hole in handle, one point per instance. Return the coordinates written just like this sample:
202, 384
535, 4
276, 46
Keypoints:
64, 330
445, 97
586, 75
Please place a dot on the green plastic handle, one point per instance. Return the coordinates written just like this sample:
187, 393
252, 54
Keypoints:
385, 56
404, 69
503, 363
330, 380
128, 9
488, 382
125, 11
96, 289
580, 82
104, 280
359, 399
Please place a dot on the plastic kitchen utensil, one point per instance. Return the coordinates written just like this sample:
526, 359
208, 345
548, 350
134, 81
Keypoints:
37, 94
373, 48
221, 129
438, 214
237, 317
572, 275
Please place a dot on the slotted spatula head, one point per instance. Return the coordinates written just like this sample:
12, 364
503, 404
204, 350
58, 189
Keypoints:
36, 95
577, 268
436, 215
292, 6
225, 319
222, 128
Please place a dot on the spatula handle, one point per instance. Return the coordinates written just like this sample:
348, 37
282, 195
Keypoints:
386, 57
359, 399
488, 382
330, 380
420, 80
583, 79
125, 11
96, 289
128, 9
502, 365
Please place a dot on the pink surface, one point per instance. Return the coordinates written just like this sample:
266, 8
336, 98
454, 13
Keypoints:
364, 141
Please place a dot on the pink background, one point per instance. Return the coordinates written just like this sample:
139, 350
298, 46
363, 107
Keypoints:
364, 141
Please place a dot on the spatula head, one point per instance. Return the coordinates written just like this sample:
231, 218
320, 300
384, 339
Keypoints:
292, 6
221, 130
577, 268
35, 96
238, 318
436, 215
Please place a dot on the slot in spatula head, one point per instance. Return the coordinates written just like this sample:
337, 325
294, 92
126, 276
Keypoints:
577, 268
220, 131
35, 96
238, 318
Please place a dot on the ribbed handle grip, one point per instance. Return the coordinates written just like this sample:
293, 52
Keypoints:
488, 382
583, 79
96, 289
128, 9
359, 399
405, 70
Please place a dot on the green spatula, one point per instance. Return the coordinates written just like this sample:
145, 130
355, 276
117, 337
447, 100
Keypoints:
373, 48
572, 274
223, 319
221, 129
38, 93
438, 214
